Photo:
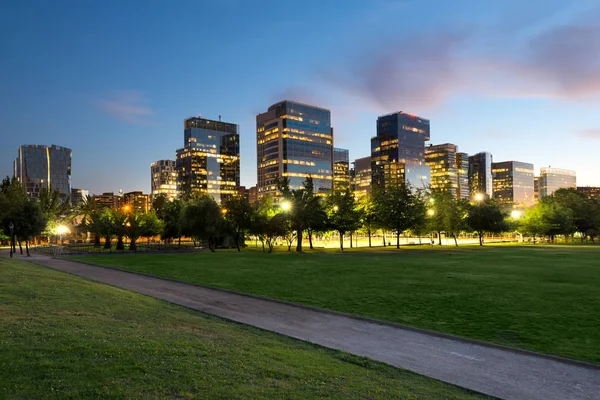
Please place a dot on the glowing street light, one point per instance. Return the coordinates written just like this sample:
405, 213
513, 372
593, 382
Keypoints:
431, 212
515, 214
61, 230
285, 206
479, 197
126, 208
335, 208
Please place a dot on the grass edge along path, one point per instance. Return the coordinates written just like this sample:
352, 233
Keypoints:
70, 337
543, 299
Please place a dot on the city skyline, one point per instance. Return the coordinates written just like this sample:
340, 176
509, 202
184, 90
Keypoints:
119, 103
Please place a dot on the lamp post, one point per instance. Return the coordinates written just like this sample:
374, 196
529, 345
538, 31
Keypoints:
11, 227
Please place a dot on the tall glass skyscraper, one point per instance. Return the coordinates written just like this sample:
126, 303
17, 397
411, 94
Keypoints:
480, 175
513, 183
398, 150
362, 176
294, 140
341, 169
449, 169
552, 179
163, 176
209, 162
39, 168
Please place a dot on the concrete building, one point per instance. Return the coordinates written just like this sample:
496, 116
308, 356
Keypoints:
592, 192
78, 195
42, 168
138, 201
552, 179
108, 200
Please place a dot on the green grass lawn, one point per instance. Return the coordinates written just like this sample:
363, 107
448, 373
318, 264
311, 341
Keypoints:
541, 298
66, 337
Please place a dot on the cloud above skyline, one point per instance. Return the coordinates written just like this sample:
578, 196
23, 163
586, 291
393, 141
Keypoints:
127, 106
589, 134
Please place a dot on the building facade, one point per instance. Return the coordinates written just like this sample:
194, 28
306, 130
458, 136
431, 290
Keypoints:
552, 179
448, 169
138, 201
341, 170
513, 183
209, 162
480, 175
78, 195
362, 176
398, 151
592, 192
536, 188
42, 168
294, 141
108, 200
163, 179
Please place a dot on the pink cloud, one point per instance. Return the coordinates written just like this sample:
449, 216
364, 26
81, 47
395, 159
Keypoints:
590, 134
127, 106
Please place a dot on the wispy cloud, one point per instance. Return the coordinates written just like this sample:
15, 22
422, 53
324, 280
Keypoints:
127, 106
589, 134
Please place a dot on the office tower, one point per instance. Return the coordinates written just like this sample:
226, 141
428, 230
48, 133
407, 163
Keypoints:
398, 150
552, 179
513, 182
361, 179
137, 201
536, 188
592, 192
253, 195
209, 162
462, 166
107, 200
163, 179
480, 175
294, 141
341, 169
78, 195
39, 167
449, 169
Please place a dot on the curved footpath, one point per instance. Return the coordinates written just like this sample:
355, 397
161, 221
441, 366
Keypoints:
490, 370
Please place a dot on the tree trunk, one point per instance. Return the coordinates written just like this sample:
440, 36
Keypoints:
341, 241
310, 239
351, 239
455, 241
398, 239
439, 238
27, 248
20, 247
369, 233
480, 238
383, 234
237, 240
133, 245
299, 241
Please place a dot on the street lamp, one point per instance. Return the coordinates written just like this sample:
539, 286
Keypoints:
431, 212
61, 230
479, 197
335, 208
11, 227
285, 206
515, 214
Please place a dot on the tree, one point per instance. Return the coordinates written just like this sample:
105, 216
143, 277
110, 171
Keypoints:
559, 219
85, 209
13, 204
159, 204
277, 226
32, 222
399, 208
93, 222
106, 227
446, 214
55, 210
141, 225
203, 221
367, 215
343, 214
119, 220
486, 216
238, 213
171, 217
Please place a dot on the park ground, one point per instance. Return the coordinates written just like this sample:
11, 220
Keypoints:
67, 337
539, 298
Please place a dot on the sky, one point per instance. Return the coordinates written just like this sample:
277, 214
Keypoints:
114, 80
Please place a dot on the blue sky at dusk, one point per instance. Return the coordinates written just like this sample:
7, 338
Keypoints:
114, 80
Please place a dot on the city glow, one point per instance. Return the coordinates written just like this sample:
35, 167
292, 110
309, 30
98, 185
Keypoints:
479, 197
286, 205
515, 214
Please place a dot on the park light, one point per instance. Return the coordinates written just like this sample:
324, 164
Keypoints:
479, 197
335, 208
431, 200
223, 211
431, 212
61, 230
126, 208
285, 205
515, 214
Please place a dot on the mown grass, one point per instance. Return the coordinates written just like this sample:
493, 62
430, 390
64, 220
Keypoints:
541, 298
65, 337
